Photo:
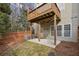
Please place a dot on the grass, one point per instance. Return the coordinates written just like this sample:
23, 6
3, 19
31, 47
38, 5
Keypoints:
31, 49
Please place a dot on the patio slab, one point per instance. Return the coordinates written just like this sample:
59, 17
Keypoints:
47, 42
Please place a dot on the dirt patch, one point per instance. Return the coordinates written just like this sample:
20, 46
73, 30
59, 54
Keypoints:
67, 49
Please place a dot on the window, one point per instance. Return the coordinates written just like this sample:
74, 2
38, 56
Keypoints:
52, 30
59, 30
67, 30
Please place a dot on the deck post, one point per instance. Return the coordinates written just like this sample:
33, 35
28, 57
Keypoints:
39, 33
31, 31
55, 30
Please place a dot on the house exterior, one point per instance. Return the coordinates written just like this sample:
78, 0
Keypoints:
56, 27
69, 22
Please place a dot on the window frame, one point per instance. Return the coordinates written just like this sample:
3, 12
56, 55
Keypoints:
59, 30
69, 29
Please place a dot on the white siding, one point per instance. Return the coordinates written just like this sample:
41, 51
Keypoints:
69, 15
65, 19
75, 18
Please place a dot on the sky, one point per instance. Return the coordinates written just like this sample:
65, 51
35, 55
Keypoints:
61, 6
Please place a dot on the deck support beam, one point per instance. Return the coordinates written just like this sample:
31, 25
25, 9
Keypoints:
39, 33
55, 30
31, 31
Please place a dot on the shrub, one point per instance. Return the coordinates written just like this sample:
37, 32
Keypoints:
4, 23
4, 18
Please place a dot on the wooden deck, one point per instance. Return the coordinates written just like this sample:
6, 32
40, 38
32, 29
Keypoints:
44, 11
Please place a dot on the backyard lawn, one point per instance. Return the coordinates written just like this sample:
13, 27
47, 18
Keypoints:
28, 48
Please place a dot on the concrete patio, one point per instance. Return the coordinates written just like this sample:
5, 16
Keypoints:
47, 42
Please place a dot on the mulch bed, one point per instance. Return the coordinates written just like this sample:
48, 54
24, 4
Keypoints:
67, 49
